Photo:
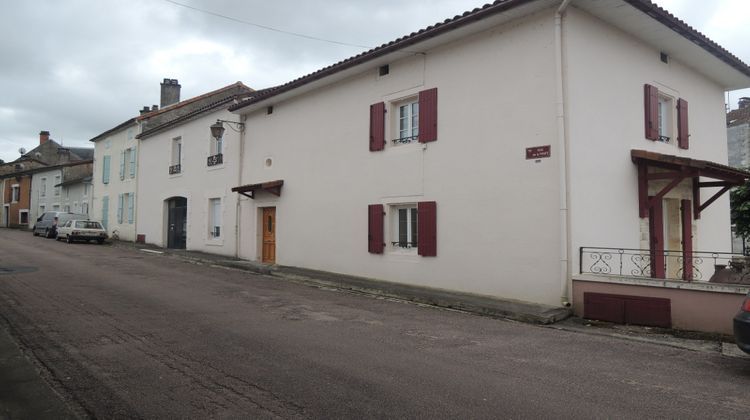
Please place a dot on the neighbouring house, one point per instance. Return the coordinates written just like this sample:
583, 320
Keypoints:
186, 174
19, 199
114, 176
738, 138
529, 149
56, 188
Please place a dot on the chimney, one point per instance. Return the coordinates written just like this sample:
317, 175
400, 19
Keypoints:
145, 110
156, 107
744, 102
43, 137
170, 92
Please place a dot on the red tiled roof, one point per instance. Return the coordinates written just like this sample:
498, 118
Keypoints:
469, 17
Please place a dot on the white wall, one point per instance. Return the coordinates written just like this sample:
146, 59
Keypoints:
605, 71
75, 197
497, 213
113, 145
197, 182
49, 199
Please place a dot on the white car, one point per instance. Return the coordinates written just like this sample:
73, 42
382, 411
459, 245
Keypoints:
81, 230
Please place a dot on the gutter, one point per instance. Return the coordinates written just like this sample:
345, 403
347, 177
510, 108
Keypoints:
562, 147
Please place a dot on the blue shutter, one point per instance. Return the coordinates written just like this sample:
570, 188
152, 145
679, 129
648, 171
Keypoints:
105, 169
131, 204
122, 165
119, 208
105, 211
132, 162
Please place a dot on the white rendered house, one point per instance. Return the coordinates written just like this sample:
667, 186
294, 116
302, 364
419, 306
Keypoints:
186, 175
488, 153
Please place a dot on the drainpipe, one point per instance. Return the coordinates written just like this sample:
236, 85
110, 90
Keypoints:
238, 209
562, 147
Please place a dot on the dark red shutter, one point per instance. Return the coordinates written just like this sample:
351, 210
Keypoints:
428, 114
683, 136
687, 240
651, 107
377, 126
656, 239
375, 244
427, 228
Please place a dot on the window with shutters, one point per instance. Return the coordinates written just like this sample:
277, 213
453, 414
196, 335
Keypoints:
130, 198
411, 227
666, 117
128, 163
412, 119
105, 211
43, 191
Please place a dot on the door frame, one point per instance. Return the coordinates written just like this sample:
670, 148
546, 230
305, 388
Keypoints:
168, 236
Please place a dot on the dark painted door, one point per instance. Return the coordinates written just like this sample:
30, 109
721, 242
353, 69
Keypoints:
177, 223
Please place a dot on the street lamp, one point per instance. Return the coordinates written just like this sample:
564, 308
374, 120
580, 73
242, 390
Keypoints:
217, 128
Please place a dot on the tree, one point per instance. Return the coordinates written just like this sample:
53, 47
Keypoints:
739, 199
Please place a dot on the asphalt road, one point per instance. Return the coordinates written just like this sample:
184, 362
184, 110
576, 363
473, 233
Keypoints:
123, 333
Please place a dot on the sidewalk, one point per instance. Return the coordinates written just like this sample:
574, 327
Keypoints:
546, 316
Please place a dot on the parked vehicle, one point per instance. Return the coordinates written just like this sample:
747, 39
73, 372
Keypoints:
81, 230
742, 326
48, 222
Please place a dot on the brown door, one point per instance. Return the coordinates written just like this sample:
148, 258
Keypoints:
269, 235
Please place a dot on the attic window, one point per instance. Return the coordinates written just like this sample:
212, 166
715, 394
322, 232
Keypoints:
383, 70
664, 58
269, 110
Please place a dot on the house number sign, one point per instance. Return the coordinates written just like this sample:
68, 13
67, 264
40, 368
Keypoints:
538, 152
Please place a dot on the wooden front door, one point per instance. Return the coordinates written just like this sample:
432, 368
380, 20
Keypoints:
269, 235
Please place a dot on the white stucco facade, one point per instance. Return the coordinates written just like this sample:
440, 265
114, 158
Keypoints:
196, 181
496, 211
44, 195
118, 147
605, 71
505, 224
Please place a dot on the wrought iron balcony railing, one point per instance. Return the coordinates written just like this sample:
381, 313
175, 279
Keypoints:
405, 140
214, 160
404, 244
717, 267
175, 169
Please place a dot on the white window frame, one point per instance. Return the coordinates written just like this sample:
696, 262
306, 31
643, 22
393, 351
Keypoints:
395, 228
20, 212
57, 189
406, 121
15, 193
176, 158
666, 118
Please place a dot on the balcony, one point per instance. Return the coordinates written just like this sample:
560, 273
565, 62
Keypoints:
714, 267
214, 160
175, 169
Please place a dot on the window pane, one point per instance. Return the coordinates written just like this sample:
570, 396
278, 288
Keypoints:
402, 227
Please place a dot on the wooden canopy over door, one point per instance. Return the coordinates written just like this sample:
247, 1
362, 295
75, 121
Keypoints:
676, 169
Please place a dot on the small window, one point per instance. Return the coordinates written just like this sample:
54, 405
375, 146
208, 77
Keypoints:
214, 214
43, 191
23, 215
407, 123
85, 208
404, 223
384, 70
57, 188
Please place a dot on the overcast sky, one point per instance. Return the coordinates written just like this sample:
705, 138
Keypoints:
78, 68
